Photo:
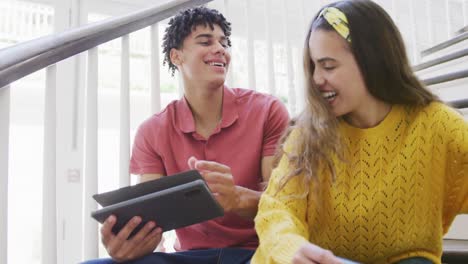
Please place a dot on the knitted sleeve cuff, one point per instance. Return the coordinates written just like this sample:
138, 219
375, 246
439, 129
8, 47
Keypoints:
287, 247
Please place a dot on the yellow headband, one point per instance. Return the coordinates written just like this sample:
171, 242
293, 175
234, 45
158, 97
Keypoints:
337, 20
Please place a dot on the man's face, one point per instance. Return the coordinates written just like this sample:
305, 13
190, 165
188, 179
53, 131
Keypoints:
204, 57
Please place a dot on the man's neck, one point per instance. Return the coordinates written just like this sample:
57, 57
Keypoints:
206, 106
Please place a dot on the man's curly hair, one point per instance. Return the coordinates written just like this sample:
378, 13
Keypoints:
182, 25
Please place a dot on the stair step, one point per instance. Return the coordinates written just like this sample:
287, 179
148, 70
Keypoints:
455, 251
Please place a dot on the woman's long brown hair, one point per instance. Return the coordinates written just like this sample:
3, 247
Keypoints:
379, 50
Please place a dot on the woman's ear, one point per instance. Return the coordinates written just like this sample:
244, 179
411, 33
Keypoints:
176, 57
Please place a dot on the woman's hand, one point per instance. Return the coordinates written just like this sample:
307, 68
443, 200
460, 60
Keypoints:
312, 254
120, 248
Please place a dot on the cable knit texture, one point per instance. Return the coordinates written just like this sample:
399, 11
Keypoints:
397, 191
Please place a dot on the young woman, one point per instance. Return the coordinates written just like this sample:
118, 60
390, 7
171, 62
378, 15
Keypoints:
376, 167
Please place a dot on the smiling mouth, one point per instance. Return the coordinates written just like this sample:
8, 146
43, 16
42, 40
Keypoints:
329, 96
217, 64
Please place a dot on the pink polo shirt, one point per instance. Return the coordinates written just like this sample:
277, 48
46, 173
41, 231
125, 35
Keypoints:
251, 126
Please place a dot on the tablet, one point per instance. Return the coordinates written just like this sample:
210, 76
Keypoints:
183, 203
130, 192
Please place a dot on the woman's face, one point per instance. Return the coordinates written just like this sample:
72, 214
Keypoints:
337, 73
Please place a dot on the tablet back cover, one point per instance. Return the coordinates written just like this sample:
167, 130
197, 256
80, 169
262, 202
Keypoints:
172, 202
129, 192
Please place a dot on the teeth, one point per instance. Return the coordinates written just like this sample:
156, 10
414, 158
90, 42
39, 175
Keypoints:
219, 64
328, 95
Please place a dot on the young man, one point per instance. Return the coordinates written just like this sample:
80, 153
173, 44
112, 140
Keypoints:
229, 135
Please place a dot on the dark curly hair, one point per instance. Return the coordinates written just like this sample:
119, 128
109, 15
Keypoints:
181, 25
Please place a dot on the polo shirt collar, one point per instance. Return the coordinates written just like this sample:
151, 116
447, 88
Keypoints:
230, 114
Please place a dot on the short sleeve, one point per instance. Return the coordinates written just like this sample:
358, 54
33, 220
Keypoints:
276, 124
145, 159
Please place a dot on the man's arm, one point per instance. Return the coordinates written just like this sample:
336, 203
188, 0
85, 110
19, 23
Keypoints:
149, 177
267, 168
249, 199
278, 119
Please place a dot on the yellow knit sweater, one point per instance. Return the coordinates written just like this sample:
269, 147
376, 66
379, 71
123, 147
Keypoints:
396, 193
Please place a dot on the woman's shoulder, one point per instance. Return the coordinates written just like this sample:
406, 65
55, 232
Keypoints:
437, 117
436, 111
293, 138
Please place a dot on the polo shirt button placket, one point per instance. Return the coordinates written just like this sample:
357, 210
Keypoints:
206, 151
210, 151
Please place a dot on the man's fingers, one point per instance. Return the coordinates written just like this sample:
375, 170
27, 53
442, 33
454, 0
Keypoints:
218, 188
153, 238
191, 162
121, 238
217, 178
106, 229
128, 228
134, 244
137, 239
204, 165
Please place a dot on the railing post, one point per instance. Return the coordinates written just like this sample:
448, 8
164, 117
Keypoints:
230, 76
429, 21
49, 201
4, 150
250, 46
90, 245
301, 94
465, 12
414, 40
447, 19
22, 17
394, 12
125, 113
289, 63
155, 70
269, 50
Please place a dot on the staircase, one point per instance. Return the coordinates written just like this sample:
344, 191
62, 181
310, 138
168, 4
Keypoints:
444, 68
267, 44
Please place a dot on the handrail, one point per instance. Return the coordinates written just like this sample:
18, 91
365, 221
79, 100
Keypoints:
446, 77
462, 103
25, 58
462, 30
445, 44
443, 59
